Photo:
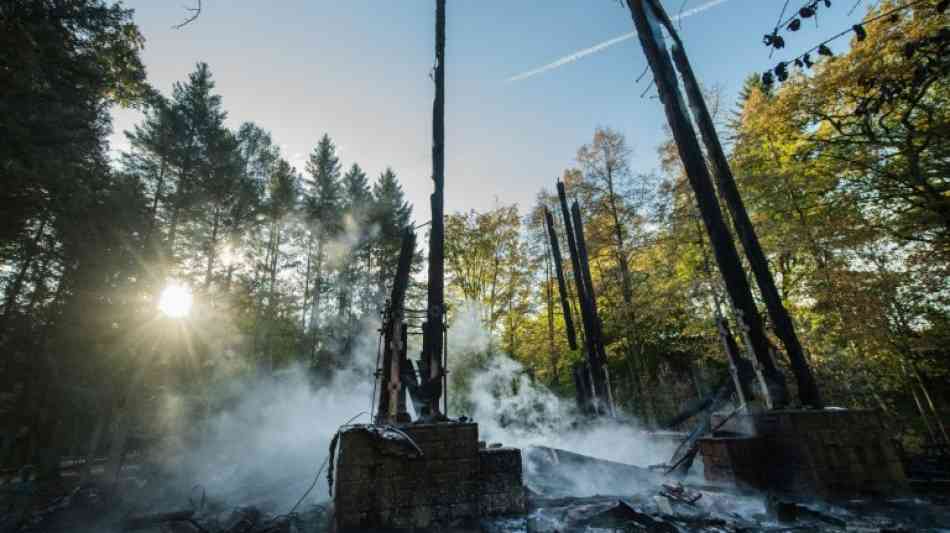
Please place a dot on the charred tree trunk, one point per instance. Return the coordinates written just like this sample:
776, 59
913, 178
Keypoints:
651, 38
594, 371
549, 297
784, 328
580, 380
561, 283
392, 406
432, 342
597, 358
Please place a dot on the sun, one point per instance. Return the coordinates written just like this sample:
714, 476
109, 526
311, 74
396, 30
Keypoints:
175, 300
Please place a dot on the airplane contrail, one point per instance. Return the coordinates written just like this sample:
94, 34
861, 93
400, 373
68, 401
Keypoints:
606, 44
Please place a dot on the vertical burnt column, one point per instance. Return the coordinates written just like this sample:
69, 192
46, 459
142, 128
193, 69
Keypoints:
727, 257
729, 192
598, 357
561, 283
434, 327
582, 388
578, 286
392, 403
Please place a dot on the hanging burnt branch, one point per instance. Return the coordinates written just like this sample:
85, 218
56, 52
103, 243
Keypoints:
195, 13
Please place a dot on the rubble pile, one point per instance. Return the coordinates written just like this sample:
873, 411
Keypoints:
564, 491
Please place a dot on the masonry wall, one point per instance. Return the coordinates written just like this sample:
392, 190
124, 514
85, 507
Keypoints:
828, 453
380, 484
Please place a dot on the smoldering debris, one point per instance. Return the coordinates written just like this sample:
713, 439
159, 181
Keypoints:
566, 491
254, 461
551, 472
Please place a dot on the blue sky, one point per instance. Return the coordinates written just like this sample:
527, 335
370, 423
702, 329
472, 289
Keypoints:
358, 70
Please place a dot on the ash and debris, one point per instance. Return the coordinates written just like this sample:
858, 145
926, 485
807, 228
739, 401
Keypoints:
566, 492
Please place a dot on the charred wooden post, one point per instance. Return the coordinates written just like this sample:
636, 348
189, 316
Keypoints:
644, 14
733, 355
433, 332
597, 359
561, 283
598, 399
579, 284
726, 183
392, 396
582, 386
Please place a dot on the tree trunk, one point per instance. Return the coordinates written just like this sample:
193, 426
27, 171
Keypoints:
930, 403
159, 191
626, 287
29, 250
272, 298
122, 422
651, 39
923, 414
306, 286
315, 300
491, 302
212, 248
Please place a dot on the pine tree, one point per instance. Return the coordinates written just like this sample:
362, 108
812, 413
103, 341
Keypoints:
357, 204
390, 214
202, 127
150, 159
323, 211
70, 227
282, 194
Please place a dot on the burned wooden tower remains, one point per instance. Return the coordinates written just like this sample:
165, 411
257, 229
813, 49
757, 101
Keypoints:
811, 450
431, 472
591, 377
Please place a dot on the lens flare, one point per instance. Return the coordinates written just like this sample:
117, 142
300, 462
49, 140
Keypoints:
175, 300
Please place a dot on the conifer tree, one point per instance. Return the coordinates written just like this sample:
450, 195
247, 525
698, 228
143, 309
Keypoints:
323, 211
357, 204
390, 214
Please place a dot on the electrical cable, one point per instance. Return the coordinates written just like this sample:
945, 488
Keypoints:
323, 465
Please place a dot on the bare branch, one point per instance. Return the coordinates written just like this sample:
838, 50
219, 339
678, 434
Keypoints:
195, 12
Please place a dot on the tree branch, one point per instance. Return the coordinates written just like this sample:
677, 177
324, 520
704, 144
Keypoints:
195, 12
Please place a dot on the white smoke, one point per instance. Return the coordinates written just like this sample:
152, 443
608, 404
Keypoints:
514, 410
266, 447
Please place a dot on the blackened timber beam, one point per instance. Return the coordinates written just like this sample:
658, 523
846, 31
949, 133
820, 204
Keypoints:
694, 163
561, 282
597, 358
579, 284
436, 288
392, 403
738, 365
729, 192
582, 387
